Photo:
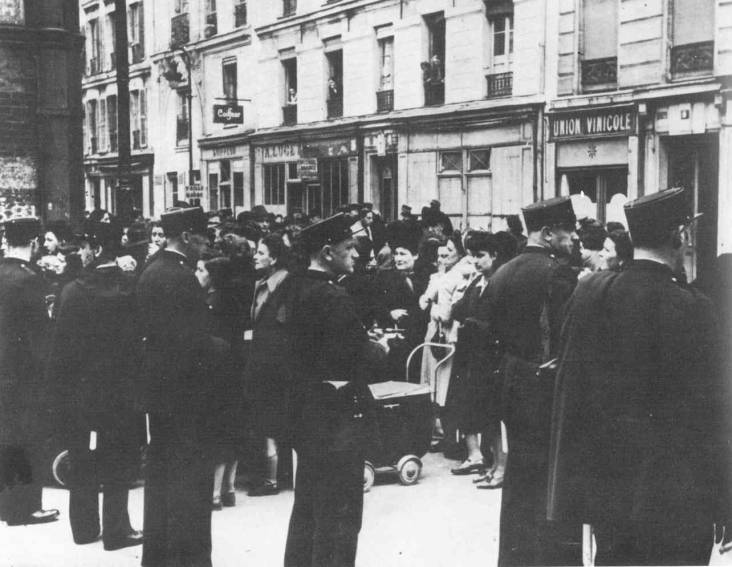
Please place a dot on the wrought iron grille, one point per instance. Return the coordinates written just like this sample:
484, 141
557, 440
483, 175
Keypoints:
600, 71
289, 114
499, 84
384, 101
692, 57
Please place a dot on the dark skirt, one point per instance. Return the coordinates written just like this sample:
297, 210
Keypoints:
474, 398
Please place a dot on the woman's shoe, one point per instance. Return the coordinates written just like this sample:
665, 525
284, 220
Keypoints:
228, 499
469, 467
266, 489
493, 483
216, 504
484, 477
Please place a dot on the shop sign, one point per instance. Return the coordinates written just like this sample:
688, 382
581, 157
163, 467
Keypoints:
278, 152
592, 124
307, 170
330, 148
228, 114
194, 192
382, 142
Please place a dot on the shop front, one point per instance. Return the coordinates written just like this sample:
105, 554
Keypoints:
381, 150
102, 184
226, 170
593, 149
314, 177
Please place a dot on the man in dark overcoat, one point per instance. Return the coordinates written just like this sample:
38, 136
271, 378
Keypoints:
330, 404
176, 348
527, 296
23, 336
640, 427
94, 364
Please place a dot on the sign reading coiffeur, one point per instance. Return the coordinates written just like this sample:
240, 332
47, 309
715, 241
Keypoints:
592, 124
228, 114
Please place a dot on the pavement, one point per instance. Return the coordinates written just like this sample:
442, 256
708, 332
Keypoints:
443, 520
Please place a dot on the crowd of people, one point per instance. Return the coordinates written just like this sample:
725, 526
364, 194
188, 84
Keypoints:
594, 398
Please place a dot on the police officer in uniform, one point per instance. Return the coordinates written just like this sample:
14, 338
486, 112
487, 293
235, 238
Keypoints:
176, 347
94, 361
526, 298
23, 334
640, 428
330, 403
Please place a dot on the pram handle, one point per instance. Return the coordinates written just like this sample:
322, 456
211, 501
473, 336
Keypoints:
450, 348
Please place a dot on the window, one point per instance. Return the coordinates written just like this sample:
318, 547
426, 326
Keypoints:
228, 73
102, 125
289, 7
183, 120
238, 188
112, 122
136, 23
334, 181
225, 184
240, 13
386, 63
181, 6
480, 160
433, 69
91, 124
600, 42
274, 184
143, 118
334, 97
502, 28
211, 23
110, 38
94, 46
693, 36
289, 66
138, 119
451, 161
213, 190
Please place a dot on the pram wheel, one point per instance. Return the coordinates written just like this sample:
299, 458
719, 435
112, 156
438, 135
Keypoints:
60, 467
409, 468
369, 475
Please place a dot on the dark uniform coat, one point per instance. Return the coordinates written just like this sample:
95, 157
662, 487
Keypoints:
177, 348
527, 297
640, 428
268, 371
23, 335
94, 363
328, 344
474, 396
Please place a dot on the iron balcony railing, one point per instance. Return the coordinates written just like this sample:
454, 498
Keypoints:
335, 107
499, 84
289, 114
692, 57
289, 7
180, 30
434, 93
600, 71
384, 101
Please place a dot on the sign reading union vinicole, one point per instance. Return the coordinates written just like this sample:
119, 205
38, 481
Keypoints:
228, 114
592, 124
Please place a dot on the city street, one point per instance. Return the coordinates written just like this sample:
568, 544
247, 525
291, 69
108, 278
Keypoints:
443, 520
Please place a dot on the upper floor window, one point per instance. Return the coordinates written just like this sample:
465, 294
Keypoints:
91, 125
433, 70
102, 125
112, 122
386, 63
94, 47
693, 36
289, 110
211, 22
181, 6
228, 74
240, 13
182, 120
136, 24
289, 7
502, 31
600, 43
138, 118
335, 83
110, 36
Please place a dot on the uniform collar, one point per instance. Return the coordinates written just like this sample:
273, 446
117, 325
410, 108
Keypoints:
320, 275
534, 249
651, 266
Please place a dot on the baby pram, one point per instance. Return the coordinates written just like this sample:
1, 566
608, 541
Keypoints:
403, 419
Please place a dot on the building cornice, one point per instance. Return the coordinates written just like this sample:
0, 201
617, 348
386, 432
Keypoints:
240, 37
109, 77
640, 94
325, 11
473, 114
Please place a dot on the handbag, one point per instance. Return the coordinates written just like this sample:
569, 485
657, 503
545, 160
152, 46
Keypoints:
441, 338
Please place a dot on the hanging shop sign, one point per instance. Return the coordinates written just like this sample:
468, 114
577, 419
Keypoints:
194, 192
228, 114
307, 170
599, 123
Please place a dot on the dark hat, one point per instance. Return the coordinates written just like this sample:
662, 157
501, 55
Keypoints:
402, 234
177, 221
406, 210
108, 235
652, 216
259, 212
551, 212
332, 230
19, 232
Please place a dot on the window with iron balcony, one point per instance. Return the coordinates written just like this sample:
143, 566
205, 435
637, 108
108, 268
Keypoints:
211, 27
692, 34
289, 7
499, 84
599, 65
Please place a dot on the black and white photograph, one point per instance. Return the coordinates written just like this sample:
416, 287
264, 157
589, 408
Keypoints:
365, 283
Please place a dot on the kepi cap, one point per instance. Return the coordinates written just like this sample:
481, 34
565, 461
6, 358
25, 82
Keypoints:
651, 217
332, 230
557, 211
19, 231
177, 221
